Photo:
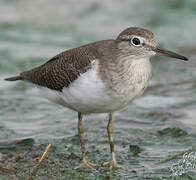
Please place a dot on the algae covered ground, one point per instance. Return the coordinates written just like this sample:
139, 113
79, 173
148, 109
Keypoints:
155, 136
140, 161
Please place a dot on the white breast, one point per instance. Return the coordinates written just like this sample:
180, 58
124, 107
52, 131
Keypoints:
88, 94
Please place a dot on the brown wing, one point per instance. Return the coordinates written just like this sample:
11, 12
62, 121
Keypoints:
65, 67
62, 69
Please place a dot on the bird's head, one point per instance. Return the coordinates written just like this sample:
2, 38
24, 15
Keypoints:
140, 43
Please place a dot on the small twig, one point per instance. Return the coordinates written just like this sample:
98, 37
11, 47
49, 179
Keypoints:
175, 155
35, 169
172, 157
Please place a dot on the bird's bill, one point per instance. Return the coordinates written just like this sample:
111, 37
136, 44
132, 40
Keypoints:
168, 53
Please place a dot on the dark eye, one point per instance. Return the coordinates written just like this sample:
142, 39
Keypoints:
135, 41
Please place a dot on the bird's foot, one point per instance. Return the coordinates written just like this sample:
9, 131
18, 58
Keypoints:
86, 164
113, 164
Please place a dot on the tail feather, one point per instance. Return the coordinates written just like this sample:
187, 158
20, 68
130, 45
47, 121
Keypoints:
15, 78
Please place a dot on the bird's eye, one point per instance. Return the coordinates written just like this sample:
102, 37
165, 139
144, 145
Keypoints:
135, 41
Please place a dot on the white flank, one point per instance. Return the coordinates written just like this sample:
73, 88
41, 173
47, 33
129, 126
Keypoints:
87, 94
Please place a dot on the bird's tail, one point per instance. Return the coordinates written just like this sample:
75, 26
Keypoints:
15, 78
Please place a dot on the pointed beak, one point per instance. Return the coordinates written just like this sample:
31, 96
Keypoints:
165, 52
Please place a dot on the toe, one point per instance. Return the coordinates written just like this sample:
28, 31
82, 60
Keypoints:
86, 164
92, 164
112, 165
106, 163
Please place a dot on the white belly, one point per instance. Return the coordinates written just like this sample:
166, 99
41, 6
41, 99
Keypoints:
87, 95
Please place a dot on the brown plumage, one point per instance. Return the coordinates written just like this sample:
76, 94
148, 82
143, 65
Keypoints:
125, 35
120, 72
65, 67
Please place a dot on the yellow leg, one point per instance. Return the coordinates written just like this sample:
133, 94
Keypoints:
85, 163
112, 163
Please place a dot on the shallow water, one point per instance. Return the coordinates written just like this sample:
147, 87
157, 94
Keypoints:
31, 32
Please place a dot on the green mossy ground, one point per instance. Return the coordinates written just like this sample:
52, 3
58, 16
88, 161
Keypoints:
18, 159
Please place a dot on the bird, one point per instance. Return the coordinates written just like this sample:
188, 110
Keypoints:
99, 77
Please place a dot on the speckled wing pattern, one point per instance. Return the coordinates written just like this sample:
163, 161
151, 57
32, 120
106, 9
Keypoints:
62, 69
67, 66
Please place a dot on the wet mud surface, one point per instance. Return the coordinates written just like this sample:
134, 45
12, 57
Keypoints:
151, 135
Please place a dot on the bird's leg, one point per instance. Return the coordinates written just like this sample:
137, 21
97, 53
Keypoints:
85, 163
112, 163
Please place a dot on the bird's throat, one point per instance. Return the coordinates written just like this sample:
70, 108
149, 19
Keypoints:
126, 75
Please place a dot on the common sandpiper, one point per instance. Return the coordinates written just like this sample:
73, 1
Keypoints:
100, 77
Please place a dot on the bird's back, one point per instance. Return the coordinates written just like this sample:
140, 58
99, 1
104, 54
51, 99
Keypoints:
65, 67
